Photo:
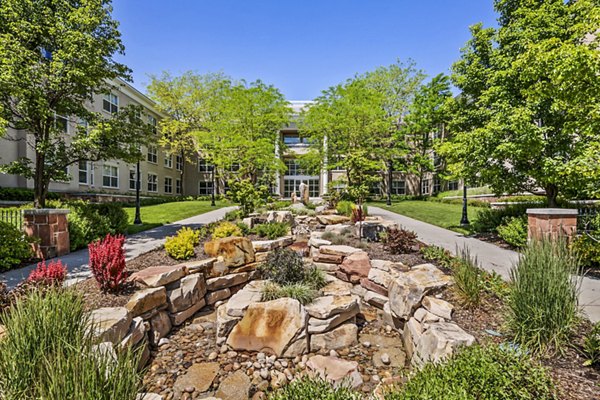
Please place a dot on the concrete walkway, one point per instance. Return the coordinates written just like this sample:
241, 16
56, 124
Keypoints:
135, 245
490, 256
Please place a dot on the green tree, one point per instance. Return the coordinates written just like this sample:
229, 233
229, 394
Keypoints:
426, 116
528, 116
54, 55
189, 102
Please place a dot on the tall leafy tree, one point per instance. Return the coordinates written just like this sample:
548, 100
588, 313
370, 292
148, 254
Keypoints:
54, 55
189, 102
528, 115
426, 116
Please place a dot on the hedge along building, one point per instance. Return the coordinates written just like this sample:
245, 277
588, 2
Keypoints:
294, 146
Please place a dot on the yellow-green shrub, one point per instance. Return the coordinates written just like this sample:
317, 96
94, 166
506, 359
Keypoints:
181, 246
226, 229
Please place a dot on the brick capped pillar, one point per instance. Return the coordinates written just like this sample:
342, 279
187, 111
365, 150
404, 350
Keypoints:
51, 228
552, 223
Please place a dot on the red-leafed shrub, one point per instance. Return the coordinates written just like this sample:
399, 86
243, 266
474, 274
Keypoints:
358, 213
107, 262
52, 274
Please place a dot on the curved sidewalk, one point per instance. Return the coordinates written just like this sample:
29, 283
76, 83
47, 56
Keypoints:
490, 256
135, 245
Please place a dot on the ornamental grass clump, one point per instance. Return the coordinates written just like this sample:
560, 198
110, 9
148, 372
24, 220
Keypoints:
107, 262
468, 277
542, 304
48, 353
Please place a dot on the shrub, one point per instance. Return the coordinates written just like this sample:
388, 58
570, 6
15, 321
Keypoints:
89, 222
48, 353
247, 195
279, 205
359, 213
591, 345
313, 389
299, 291
226, 229
245, 229
345, 207
52, 274
483, 373
438, 254
182, 245
107, 262
283, 266
489, 219
587, 248
399, 241
514, 231
542, 305
272, 230
468, 277
234, 215
15, 246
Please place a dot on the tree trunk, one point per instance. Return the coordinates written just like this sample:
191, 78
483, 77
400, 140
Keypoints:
551, 195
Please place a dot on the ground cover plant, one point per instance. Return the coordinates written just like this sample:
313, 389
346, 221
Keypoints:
289, 276
542, 304
48, 353
271, 230
226, 229
15, 246
182, 245
314, 389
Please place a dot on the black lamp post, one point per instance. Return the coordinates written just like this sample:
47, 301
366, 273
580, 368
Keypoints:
390, 179
464, 221
138, 218
212, 199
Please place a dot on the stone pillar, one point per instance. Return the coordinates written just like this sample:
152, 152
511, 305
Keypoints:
552, 223
51, 229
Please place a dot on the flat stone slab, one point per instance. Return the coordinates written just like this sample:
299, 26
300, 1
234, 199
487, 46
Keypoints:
341, 337
335, 370
159, 276
239, 302
269, 245
110, 324
328, 306
339, 250
235, 387
146, 300
438, 307
200, 376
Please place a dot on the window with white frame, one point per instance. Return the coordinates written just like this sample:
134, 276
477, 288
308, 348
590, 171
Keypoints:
235, 167
62, 123
168, 185
110, 103
293, 168
152, 154
132, 179
398, 187
152, 182
437, 185
205, 188
152, 121
453, 185
110, 176
179, 163
168, 160
425, 187
84, 172
178, 187
204, 166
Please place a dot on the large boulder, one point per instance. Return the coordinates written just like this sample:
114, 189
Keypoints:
270, 326
439, 342
408, 289
336, 371
110, 324
185, 293
146, 300
159, 276
357, 263
235, 251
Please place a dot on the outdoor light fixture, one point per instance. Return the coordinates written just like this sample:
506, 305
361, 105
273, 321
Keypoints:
464, 221
138, 218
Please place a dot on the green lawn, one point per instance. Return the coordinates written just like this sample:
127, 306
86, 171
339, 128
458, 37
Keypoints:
160, 214
441, 214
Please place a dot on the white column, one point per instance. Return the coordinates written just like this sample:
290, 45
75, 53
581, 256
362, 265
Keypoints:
277, 176
324, 171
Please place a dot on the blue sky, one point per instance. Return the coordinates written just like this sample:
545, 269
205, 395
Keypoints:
301, 46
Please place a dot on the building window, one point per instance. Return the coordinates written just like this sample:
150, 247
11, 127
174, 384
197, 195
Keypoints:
110, 103
84, 172
294, 139
292, 185
235, 167
425, 187
204, 166
110, 176
62, 123
179, 163
152, 121
398, 187
152, 155
152, 182
205, 188
168, 161
178, 187
453, 185
132, 179
168, 185
375, 188
437, 185
293, 168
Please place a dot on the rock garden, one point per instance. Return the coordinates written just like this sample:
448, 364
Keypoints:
281, 300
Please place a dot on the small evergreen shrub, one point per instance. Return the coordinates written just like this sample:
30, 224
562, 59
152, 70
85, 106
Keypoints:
468, 277
107, 262
399, 241
542, 305
226, 229
479, 373
245, 229
182, 245
15, 246
308, 388
52, 274
344, 207
514, 231
48, 353
271, 230
283, 266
